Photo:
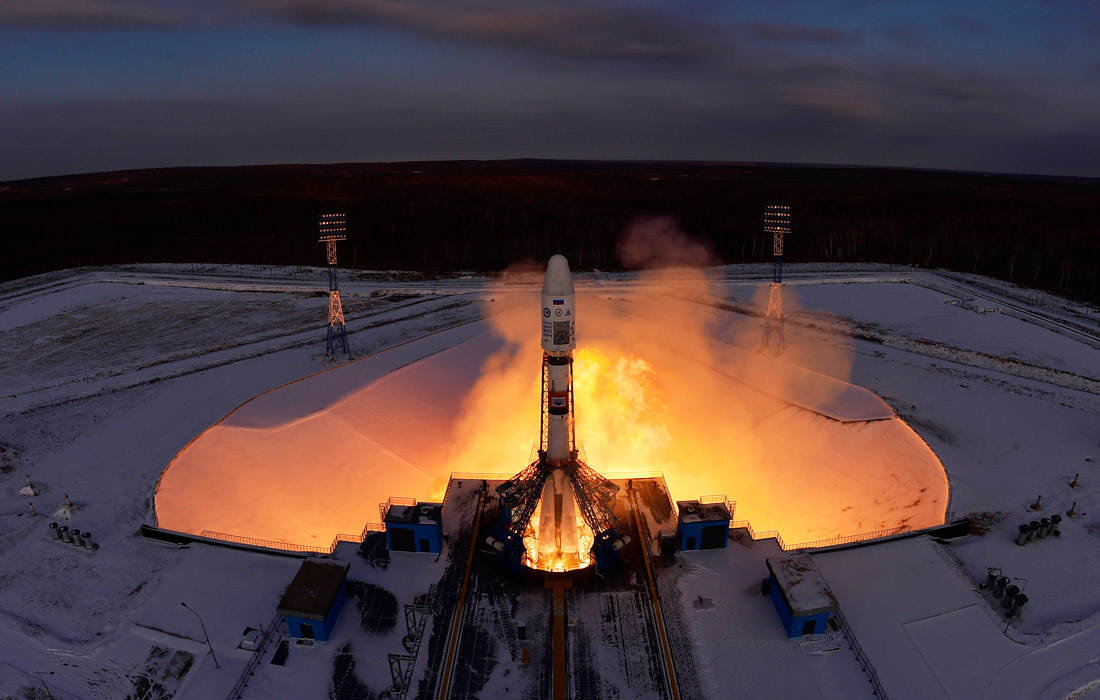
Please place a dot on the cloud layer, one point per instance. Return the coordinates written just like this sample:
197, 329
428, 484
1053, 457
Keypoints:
415, 79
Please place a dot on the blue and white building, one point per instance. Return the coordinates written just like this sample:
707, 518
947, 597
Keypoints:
800, 595
314, 599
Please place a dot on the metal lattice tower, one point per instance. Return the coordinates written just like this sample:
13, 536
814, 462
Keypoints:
594, 494
330, 230
777, 221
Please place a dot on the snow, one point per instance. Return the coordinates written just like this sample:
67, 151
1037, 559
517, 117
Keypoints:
739, 643
801, 583
109, 374
367, 417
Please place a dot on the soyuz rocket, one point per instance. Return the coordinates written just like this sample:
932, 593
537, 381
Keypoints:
575, 504
558, 519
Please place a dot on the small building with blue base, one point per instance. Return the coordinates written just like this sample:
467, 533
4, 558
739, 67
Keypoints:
414, 528
314, 599
800, 595
702, 525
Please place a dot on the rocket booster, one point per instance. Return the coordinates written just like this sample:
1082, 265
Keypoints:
558, 341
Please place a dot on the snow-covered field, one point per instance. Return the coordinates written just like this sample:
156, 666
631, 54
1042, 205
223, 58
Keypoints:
109, 373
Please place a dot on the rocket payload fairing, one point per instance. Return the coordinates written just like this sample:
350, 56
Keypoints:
558, 515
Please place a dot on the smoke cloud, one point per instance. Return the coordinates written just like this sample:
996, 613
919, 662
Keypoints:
657, 242
666, 381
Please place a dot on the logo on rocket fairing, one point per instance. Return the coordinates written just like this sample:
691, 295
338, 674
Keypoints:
561, 332
546, 312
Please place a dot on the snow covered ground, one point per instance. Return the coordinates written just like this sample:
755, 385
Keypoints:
108, 373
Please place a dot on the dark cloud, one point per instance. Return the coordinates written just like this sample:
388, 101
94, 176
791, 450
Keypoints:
904, 35
562, 28
801, 34
967, 26
952, 86
568, 28
88, 14
571, 79
850, 103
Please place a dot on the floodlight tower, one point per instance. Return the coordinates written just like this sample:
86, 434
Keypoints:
331, 229
777, 221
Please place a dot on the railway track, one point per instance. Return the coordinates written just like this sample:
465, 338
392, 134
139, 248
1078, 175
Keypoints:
672, 684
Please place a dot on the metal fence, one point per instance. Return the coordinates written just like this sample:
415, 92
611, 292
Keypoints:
731, 506
734, 524
384, 508
634, 475
291, 547
853, 538
816, 544
254, 660
472, 476
864, 662
269, 544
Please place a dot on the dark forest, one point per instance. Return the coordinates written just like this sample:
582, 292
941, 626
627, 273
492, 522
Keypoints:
485, 216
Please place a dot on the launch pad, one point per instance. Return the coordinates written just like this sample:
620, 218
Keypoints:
575, 630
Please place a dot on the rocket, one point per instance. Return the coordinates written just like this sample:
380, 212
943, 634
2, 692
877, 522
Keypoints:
560, 487
558, 519
559, 338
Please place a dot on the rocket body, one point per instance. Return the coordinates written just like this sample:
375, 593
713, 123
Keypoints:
558, 518
559, 338
558, 515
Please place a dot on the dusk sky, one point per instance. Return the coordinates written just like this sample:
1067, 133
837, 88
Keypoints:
993, 85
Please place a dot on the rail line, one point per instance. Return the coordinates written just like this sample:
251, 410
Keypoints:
1049, 320
655, 599
456, 626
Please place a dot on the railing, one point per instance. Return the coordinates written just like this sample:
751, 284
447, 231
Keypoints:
816, 544
731, 506
254, 660
269, 544
766, 534
853, 538
384, 508
472, 476
864, 662
634, 475
291, 547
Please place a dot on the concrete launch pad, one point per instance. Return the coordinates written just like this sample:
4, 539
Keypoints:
399, 422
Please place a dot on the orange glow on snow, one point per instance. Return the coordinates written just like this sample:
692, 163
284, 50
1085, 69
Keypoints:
652, 394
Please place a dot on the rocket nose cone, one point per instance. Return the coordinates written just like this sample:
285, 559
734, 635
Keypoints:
558, 280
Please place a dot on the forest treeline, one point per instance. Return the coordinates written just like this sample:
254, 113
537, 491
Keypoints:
486, 216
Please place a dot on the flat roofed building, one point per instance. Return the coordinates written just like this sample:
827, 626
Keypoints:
314, 599
800, 595
416, 527
702, 525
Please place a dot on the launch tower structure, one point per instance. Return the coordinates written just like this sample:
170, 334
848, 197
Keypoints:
777, 221
331, 229
558, 479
